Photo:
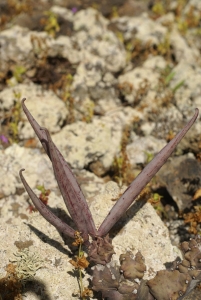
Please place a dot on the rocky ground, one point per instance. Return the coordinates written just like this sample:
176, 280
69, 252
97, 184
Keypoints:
113, 83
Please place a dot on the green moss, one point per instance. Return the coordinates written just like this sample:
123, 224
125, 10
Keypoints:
159, 9
51, 23
18, 72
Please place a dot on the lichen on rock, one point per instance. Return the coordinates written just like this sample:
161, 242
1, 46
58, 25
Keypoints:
27, 264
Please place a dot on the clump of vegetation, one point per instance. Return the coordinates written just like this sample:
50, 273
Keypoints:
51, 23
18, 71
88, 110
11, 285
121, 169
193, 218
14, 8
43, 197
137, 51
165, 93
159, 8
126, 88
80, 262
185, 20
164, 48
40, 49
63, 87
63, 90
155, 201
12, 119
114, 13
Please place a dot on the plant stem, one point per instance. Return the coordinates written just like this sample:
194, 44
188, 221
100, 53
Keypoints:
80, 272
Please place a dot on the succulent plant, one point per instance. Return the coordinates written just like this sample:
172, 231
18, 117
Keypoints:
184, 275
115, 282
126, 281
132, 268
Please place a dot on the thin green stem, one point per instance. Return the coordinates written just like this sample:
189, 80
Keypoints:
80, 253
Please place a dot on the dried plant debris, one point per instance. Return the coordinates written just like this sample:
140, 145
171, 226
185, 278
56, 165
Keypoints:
126, 281
10, 285
19, 271
194, 219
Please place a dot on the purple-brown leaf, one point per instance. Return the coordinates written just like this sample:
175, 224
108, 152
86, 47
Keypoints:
142, 179
71, 192
41, 134
46, 212
70, 189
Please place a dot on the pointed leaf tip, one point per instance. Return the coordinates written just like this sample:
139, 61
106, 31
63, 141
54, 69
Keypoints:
196, 112
71, 191
46, 212
71, 187
142, 179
